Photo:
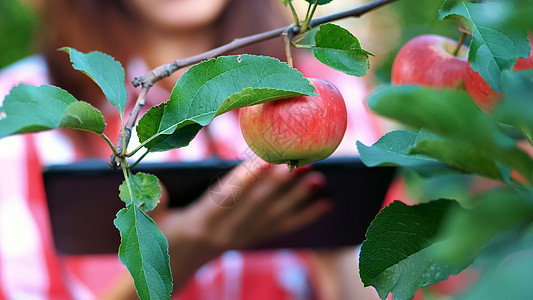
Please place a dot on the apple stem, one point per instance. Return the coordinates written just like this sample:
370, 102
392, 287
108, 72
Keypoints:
460, 43
293, 163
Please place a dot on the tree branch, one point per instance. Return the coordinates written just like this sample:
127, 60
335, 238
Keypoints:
125, 136
147, 80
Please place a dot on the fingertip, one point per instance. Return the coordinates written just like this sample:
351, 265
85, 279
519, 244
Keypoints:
308, 215
316, 182
325, 206
265, 166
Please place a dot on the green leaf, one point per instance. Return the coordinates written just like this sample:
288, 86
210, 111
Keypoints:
145, 189
339, 49
492, 49
500, 14
82, 115
149, 124
144, 251
466, 232
517, 106
29, 108
518, 15
453, 115
212, 88
285, 2
393, 149
397, 255
105, 71
507, 274
458, 155
511, 279
320, 2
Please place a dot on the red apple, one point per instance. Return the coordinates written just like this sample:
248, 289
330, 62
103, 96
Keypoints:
481, 92
297, 130
428, 60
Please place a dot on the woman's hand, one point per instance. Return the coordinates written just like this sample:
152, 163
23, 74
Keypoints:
248, 205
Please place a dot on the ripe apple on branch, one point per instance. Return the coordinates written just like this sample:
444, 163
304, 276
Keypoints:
298, 130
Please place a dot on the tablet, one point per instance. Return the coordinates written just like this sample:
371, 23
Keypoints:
83, 201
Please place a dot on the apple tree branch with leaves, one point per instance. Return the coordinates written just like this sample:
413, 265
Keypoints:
450, 131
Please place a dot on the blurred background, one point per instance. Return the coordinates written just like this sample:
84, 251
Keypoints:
381, 33
18, 26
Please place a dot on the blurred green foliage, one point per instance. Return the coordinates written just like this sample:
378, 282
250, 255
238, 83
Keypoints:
17, 26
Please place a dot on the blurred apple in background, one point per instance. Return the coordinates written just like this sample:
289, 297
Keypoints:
429, 61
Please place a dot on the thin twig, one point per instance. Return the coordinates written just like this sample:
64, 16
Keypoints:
125, 136
108, 141
147, 80
294, 14
307, 20
287, 43
308, 11
138, 160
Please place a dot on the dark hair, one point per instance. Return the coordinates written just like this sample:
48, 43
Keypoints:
106, 26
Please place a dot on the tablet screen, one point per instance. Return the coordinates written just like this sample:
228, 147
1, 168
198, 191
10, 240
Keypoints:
83, 201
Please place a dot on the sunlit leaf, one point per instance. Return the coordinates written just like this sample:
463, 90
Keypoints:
212, 88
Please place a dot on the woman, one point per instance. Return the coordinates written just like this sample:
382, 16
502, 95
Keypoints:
143, 35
